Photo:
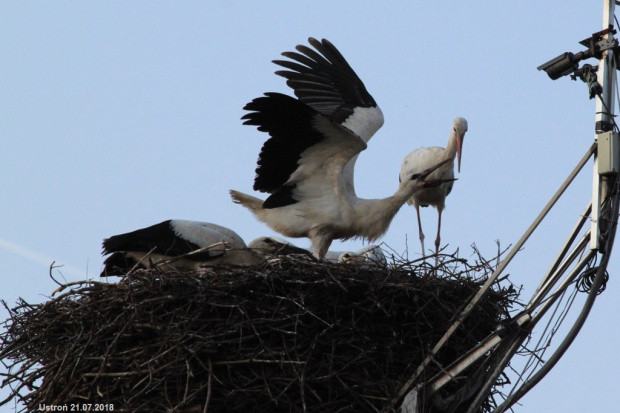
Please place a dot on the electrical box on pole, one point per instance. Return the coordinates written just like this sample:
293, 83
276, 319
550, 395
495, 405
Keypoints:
608, 153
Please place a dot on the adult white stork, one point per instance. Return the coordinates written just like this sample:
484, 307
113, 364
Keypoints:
180, 245
303, 165
420, 159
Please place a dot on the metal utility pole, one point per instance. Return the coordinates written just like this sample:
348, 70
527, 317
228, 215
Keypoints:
605, 137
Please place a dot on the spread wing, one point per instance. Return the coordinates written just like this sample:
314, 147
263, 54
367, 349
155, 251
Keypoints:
324, 80
305, 154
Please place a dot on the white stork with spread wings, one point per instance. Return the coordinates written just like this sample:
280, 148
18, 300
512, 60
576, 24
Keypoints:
307, 163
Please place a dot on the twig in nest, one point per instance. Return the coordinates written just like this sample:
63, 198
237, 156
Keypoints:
141, 260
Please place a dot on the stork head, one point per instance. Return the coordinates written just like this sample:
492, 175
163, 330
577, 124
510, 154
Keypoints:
350, 257
369, 256
459, 127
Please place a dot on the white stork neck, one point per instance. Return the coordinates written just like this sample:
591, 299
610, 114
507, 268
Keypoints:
450, 151
375, 215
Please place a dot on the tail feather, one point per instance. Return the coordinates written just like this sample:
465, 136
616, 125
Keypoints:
252, 203
118, 264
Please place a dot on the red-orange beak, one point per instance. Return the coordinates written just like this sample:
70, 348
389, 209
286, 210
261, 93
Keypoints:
459, 147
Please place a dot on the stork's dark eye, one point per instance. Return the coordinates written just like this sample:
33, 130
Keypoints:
415, 176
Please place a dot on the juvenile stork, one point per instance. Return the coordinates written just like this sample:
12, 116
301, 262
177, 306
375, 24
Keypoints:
421, 159
277, 244
178, 244
307, 163
371, 255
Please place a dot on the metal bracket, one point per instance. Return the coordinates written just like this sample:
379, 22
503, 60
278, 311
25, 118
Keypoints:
602, 126
597, 44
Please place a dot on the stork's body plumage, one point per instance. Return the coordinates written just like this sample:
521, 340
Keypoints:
176, 245
422, 158
307, 163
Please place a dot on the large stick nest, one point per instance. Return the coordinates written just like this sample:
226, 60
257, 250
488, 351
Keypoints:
287, 335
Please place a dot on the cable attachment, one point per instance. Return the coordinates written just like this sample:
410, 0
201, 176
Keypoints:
586, 279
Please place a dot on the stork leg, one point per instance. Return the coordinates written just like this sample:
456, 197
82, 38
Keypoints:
438, 239
320, 243
417, 210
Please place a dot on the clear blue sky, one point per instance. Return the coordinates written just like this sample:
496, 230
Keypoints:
118, 115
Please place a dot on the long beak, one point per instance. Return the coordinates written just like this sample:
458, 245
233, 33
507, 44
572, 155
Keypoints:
459, 147
431, 183
432, 168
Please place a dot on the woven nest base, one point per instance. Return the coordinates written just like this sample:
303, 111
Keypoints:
285, 336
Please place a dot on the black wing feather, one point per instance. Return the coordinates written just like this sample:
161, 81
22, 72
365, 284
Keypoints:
159, 236
289, 123
324, 80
